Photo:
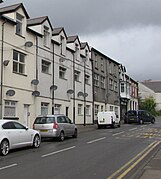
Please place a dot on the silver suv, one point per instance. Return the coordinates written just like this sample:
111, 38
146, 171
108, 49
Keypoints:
55, 126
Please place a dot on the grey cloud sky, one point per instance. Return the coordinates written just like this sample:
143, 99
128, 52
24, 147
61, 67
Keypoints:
128, 31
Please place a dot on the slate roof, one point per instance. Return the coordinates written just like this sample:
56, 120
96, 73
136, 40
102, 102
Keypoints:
72, 39
57, 31
153, 85
13, 8
38, 21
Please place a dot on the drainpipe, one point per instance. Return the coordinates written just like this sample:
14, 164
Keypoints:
73, 89
53, 83
84, 93
1, 93
93, 91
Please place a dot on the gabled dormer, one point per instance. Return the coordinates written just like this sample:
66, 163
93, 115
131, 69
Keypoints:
18, 14
85, 51
59, 36
42, 26
74, 44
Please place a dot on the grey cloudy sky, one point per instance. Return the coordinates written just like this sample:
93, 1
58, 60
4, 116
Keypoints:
128, 31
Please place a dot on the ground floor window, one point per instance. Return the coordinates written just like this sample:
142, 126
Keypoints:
10, 108
44, 108
57, 108
87, 109
96, 109
111, 108
80, 109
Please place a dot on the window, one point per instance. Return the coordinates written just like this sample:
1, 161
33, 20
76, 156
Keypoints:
62, 72
111, 108
111, 84
122, 88
96, 79
18, 62
44, 108
87, 79
115, 86
87, 109
96, 61
45, 66
10, 108
62, 45
102, 65
96, 109
101, 108
46, 36
57, 108
80, 106
76, 52
102, 82
110, 67
77, 75
19, 20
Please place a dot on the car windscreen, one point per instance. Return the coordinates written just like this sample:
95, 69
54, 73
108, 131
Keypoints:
44, 120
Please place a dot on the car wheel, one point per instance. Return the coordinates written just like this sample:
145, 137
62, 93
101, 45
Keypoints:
36, 141
4, 147
141, 121
75, 133
119, 124
61, 136
153, 121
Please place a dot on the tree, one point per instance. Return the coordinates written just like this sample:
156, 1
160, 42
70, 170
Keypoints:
148, 104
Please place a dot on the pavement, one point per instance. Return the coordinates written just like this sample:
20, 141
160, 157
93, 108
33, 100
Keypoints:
150, 170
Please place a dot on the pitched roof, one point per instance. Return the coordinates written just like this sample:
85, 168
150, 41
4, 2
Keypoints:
38, 21
58, 30
83, 45
13, 8
153, 85
72, 39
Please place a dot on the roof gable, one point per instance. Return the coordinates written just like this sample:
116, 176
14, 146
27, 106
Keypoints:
72, 39
38, 21
13, 8
153, 85
58, 30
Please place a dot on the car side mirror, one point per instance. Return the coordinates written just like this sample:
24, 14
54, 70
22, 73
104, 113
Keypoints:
26, 128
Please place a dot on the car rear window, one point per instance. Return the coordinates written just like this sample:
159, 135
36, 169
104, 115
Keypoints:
44, 120
132, 113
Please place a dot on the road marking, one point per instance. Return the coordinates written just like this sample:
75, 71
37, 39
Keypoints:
118, 133
92, 141
9, 166
133, 129
135, 163
133, 159
63, 150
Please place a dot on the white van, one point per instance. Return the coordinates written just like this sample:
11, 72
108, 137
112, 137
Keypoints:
108, 118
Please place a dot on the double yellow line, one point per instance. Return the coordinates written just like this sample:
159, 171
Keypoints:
122, 172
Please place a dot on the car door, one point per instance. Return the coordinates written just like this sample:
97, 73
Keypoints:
25, 135
11, 133
70, 126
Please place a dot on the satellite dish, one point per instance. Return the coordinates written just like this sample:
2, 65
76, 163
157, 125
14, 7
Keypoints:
35, 93
53, 87
10, 93
62, 59
35, 82
85, 95
70, 91
28, 44
80, 94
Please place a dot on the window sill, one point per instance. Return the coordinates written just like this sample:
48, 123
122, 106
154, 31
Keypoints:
20, 74
20, 35
62, 78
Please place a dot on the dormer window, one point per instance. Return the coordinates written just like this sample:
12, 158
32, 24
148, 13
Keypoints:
62, 45
19, 20
76, 52
46, 36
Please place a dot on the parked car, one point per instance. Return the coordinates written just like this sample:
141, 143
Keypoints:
107, 118
15, 135
59, 126
138, 116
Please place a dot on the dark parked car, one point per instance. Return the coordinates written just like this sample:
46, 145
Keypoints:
138, 116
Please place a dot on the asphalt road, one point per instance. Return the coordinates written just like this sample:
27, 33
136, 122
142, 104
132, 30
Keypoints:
97, 154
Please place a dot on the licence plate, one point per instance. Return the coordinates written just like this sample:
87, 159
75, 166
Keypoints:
43, 130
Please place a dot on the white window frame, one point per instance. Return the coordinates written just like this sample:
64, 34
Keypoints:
80, 109
96, 109
102, 65
45, 66
62, 72
62, 45
87, 79
96, 79
10, 108
57, 108
77, 75
111, 84
88, 110
115, 86
46, 36
102, 80
19, 22
96, 61
44, 108
18, 62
